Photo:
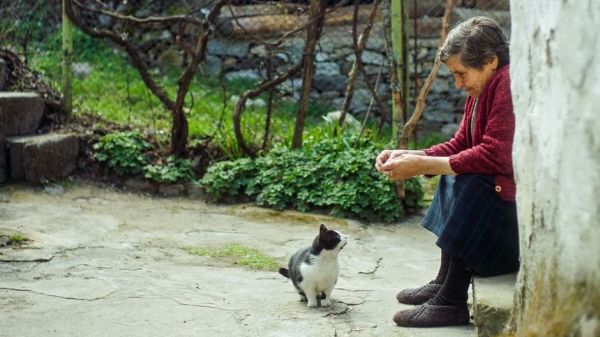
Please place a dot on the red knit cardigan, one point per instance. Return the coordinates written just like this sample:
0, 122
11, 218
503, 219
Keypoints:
489, 150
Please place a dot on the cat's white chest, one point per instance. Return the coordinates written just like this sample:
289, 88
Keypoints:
321, 274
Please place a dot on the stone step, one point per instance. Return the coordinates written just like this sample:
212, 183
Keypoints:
41, 158
492, 303
20, 112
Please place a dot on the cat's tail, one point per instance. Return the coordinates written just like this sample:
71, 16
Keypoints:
284, 272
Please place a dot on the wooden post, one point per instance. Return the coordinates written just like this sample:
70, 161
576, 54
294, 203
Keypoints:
399, 20
67, 54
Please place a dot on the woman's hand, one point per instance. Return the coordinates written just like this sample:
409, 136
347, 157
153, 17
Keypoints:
404, 166
387, 155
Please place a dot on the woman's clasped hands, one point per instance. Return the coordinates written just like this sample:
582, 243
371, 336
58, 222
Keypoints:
400, 164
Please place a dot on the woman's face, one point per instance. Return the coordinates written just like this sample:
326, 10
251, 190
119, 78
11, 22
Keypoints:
472, 80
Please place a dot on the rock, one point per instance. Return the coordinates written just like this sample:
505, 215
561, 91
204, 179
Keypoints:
54, 189
171, 190
242, 74
139, 185
322, 57
291, 85
259, 51
492, 303
222, 47
355, 105
349, 120
327, 69
361, 98
42, 158
21, 112
449, 130
82, 69
170, 59
195, 190
294, 48
256, 103
375, 43
369, 57
211, 66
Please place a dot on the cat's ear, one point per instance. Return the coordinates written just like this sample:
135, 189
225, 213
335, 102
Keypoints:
323, 229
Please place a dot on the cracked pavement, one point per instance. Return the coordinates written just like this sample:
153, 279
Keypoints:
103, 262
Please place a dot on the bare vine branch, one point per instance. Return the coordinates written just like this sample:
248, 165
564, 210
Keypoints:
241, 105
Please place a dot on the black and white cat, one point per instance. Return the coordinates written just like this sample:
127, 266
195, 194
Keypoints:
314, 270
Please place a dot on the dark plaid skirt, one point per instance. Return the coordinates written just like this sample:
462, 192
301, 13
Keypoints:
473, 223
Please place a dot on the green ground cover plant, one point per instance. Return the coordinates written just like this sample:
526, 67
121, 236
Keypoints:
125, 153
332, 175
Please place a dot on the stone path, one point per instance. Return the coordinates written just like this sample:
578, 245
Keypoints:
109, 263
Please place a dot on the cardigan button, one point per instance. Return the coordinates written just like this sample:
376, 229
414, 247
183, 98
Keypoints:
498, 188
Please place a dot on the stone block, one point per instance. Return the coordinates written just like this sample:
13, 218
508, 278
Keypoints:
42, 158
3, 163
492, 303
21, 112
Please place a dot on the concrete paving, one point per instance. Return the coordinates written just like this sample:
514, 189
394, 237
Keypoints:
109, 263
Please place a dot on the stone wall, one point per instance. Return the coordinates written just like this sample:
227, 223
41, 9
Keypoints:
555, 89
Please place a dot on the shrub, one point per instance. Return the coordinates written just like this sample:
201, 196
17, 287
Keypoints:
226, 181
123, 152
332, 175
173, 170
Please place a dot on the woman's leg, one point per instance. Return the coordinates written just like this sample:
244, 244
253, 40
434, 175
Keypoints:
443, 271
415, 296
455, 289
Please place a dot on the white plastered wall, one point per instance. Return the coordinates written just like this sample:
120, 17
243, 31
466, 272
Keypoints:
555, 83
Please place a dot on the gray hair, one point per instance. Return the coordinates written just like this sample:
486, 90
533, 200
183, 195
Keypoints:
476, 42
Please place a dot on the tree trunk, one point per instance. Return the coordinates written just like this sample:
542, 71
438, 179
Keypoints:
316, 16
179, 134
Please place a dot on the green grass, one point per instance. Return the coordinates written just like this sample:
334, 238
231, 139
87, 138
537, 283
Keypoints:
18, 238
239, 254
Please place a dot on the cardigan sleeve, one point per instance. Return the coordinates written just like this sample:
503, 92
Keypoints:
493, 154
458, 143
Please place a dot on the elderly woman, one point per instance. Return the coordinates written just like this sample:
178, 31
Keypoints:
473, 212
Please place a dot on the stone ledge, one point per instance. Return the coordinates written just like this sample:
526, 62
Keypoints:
40, 158
21, 112
492, 303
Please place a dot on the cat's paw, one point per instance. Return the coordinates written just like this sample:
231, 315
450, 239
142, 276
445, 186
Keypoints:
312, 304
326, 302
